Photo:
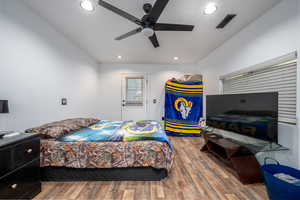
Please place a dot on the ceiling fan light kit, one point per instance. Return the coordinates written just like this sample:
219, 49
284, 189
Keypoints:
148, 32
148, 24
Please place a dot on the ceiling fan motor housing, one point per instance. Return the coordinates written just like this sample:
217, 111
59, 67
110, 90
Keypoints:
147, 8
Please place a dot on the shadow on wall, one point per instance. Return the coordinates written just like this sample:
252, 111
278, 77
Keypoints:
42, 66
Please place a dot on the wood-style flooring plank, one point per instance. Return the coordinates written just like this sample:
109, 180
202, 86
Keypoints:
195, 176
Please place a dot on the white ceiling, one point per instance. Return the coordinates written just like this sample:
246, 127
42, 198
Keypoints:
95, 32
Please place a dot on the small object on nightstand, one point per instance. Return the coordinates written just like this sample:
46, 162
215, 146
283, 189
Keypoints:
4, 133
11, 134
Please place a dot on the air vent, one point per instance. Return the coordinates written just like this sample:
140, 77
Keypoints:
226, 21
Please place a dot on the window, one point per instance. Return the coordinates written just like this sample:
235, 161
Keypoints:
279, 75
134, 91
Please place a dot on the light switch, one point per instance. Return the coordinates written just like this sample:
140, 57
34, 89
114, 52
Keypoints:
154, 101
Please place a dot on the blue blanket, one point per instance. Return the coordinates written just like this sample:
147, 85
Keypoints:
117, 131
183, 108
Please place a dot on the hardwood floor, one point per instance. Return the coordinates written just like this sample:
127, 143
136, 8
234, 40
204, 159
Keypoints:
195, 176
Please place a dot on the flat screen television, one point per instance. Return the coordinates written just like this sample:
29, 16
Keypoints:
254, 115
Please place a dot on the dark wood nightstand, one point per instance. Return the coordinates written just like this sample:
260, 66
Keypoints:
20, 167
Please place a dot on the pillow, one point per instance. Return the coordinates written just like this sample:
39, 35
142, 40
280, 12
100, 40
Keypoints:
60, 128
82, 122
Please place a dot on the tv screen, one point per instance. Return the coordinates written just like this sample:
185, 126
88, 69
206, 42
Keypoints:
253, 115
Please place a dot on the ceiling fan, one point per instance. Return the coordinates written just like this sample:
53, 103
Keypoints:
148, 24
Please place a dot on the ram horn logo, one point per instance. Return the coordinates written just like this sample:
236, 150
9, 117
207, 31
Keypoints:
183, 106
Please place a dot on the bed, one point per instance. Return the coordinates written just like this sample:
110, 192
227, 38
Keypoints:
93, 150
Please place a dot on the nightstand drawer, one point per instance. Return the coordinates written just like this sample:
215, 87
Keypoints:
5, 155
26, 152
22, 183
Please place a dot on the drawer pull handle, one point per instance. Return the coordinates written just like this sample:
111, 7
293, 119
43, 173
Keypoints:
14, 186
29, 150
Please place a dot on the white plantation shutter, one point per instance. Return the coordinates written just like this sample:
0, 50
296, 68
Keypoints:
280, 76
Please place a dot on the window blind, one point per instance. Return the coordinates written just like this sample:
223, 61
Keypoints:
280, 77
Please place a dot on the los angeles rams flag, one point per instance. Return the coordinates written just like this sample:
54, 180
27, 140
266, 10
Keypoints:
183, 108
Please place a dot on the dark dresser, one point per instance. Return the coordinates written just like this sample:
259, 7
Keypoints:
20, 167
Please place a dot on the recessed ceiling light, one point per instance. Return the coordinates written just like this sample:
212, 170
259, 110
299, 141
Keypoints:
175, 58
119, 57
87, 5
210, 8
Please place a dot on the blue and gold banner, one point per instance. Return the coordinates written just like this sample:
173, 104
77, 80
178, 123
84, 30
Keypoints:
183, 108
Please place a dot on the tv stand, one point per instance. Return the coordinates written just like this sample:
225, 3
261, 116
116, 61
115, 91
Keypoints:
239, 158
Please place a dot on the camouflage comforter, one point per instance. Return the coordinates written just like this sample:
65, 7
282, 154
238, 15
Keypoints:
106, 154
76, 150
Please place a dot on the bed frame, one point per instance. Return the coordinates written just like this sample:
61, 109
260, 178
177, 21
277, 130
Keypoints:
111, 174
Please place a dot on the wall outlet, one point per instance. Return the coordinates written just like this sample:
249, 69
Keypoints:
64, 101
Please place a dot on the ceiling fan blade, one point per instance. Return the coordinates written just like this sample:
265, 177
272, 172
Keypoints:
154, 40
126, 35
120, 12
157, 9
173, 27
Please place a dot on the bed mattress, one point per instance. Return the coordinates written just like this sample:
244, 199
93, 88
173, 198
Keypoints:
129, 144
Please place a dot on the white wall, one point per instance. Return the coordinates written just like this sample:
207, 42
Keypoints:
158, 75
38, 66
274, 34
